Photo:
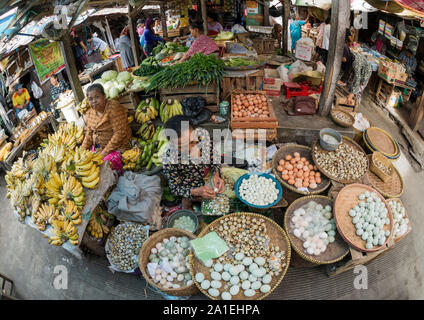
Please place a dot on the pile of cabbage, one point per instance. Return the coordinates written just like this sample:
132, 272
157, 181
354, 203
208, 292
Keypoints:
114, 83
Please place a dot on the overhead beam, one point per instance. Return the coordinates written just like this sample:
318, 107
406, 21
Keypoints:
339, 23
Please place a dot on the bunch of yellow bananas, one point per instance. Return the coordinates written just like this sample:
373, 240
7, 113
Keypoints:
130, 158
43, 216
71, 190
146, 114
83, 106
69, 211
62, 232
56, 151
97, 224
86, 167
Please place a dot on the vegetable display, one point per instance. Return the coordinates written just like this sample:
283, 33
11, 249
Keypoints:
250, 105
199, 68
225, 35
146, 70
239, 62
114, 83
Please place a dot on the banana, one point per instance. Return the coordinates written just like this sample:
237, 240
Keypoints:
84, 168
91, 177
92, 184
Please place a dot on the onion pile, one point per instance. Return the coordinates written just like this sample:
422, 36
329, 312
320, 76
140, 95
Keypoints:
299, 172
250, 105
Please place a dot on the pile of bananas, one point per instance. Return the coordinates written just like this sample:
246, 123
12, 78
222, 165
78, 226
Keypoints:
169, 109
147, 110
97, 225
83, 106
146, 131
49, 188
130, 158
151, 149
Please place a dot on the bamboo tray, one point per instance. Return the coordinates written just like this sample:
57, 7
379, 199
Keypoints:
392, 188
380, 140
349, 142
346, 200
335, 252
340, 122
304, 152
406, 216
277, 237
270, 122
143, 260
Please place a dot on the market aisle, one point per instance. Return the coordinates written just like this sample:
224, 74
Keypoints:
29, 260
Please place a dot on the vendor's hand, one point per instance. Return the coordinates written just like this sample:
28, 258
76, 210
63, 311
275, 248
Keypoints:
205, 192
350, 99
218, 183
341, 83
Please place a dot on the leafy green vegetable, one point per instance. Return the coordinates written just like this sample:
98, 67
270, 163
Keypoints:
109, 75
147, 70
239, 62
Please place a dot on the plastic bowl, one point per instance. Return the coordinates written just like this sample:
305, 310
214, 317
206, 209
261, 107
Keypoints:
329, 146
180, 213
266, 175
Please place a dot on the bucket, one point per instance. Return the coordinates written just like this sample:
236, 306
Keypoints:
71, 115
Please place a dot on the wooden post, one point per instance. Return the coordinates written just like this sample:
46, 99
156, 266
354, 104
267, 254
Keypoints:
204, 8
163, 21
285, 26
71, 67
110, 37
134, 38
417, 114
266, 13
339, 22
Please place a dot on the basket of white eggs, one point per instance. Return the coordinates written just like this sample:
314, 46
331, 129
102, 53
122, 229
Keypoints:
402, 224
363, 217
312, 231
164, 262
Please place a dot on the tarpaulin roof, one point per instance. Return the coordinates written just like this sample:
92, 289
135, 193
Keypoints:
412, 5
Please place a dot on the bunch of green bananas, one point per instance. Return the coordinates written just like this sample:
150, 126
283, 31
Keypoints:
147, 110
146, 131
169, 109
150, 148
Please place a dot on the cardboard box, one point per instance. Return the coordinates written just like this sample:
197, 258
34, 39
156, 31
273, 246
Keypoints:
303, 52
272, 82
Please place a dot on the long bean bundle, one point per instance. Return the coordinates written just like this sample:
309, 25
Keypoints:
200, 68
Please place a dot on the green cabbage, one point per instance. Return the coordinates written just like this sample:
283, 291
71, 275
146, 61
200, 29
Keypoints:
109, 75
113, 92
225, 35
108, 85
100, 81
124, 76
121, 86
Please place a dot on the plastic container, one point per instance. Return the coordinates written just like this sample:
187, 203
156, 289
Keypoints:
70, 113
223, 108
180, 213
333, 133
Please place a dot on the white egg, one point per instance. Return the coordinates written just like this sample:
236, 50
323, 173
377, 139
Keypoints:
216, 284
249, 293
234, 280
226, 296
213, 292
247, 261
199, 277
245, 285
216, 276
205, 284
256, 285
226, 276
266, 279
209, 263
234, 270
260, 261
244, 275
218, 267
265, 288
234, 290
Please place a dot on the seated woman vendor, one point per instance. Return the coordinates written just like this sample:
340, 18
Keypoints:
107, 123
185, 174
201, 43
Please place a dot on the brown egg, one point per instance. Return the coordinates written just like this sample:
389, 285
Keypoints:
291, 177
281, 162
285, 177
288, 157
298, 184
285, 171
312, 181
303, 159
305, 184
306, 174
315, 168
299, 166
305, 168
295, 170
306, 179
318, 180
296, 155
312, 173
280, 168
290, 172
293, 161
310, 167
299, 174
317, 174
307, 163
313, 185
289, 167
291, 181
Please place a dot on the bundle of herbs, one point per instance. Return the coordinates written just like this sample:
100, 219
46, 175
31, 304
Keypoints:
147, 70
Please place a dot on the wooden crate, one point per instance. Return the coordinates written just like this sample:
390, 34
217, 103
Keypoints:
171, 33
270, 122
252, 81
253, 134
264, 46
210, 94
129, 100
356, 258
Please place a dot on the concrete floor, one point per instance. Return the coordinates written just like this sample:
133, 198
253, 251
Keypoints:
29, 260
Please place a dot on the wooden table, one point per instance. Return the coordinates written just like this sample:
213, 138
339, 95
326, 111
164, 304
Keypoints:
383, 83
16, 151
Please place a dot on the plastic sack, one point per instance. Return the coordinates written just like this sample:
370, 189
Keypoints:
237, 48
238, 29
283, 71
36, 90
203, 117
209, 247
115, 159
297, 67
193, 106
230, 176
320, 67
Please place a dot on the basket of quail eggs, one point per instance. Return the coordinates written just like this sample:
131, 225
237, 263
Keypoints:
255, 264
402, 224
164, 262
312, 231
363, 217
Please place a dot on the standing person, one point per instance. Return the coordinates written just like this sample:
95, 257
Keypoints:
326, 41
318, 43
214, 27
98, 44
79, 50
125, 49
57, 86
21, 99
157, 27
140, 31
149, 37
296, 31
201, 44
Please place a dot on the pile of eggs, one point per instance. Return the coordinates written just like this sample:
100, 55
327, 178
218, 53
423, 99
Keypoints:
314, 225
250, 105
370, 216
401, 222
299, 172
246, 273
171, 254
185, 223
258, 190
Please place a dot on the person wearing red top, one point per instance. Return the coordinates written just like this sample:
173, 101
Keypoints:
201, 43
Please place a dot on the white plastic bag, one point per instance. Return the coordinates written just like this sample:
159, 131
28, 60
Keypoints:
284, 73
320, 67
238, 29
36, 90
298, 67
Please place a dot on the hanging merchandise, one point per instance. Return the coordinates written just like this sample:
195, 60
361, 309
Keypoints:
381, 26
388, 30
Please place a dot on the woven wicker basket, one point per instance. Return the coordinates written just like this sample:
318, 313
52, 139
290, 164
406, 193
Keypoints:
406, 216
341, 123
377, 139
346, 200
336, 251
378, 156
138, 77
277, 237
144, 260
304, 152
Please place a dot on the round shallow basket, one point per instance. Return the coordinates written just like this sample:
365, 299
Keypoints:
304, 152
128, 88
138, 77
347, 141
278, 237
346, 200
243, 68
350, 119
406, 216
335, 252
379, 140
143, 260
392, 188
246, 176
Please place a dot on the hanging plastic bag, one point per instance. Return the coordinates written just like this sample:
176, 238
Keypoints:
36, 90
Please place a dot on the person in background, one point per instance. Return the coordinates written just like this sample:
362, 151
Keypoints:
125, 49
296, 31
408, 59
98, 44
157, 27
21, 99
150, 38
318, 43
79, 50
140, 31
57, 86
214, 27
326, 41
201, 44
186, 179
